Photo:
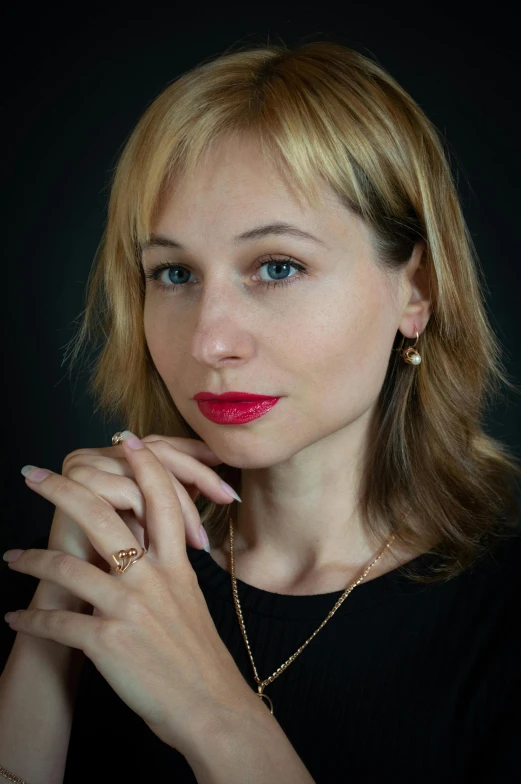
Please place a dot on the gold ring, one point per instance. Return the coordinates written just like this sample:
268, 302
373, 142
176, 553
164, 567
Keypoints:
123, 555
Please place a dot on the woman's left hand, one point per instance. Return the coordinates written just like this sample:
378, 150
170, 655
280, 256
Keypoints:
152, 638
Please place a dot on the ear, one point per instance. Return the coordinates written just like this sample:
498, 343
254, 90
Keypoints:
417, 306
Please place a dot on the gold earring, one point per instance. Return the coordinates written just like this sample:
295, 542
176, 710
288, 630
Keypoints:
409, 354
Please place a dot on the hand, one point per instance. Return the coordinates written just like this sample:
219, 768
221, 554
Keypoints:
108, 474
183, 457
153, 640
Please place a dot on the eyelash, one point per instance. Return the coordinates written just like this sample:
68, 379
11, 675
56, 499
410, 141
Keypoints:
154, 273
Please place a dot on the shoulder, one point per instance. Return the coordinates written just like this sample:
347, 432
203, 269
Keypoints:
497, 572
490, 591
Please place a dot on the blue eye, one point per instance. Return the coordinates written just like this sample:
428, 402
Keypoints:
155, 272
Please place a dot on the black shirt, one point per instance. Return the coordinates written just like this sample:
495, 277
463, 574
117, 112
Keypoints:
406, 682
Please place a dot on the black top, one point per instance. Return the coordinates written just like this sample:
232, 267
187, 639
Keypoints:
406, 682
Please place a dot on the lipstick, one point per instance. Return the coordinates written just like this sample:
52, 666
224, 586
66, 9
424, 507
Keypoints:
234, 408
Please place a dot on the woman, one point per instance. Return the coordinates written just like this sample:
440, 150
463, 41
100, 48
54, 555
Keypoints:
355, 615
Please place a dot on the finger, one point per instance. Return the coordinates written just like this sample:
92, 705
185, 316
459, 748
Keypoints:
189, 446
81, 578
97, 518
124, 494
190, 471
189, 476
163, 507
121, 492
196, 477
75, 630
137, 529
110, 462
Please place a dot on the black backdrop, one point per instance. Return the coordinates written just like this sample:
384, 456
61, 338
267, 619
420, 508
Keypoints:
75, 83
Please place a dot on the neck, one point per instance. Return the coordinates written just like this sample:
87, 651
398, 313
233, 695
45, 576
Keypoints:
336, 576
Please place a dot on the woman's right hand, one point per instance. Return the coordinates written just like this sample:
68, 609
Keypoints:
39, 681
107, 473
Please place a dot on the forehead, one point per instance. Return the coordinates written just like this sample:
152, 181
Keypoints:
235, 187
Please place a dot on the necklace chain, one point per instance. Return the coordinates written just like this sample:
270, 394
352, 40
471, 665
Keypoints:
262, 684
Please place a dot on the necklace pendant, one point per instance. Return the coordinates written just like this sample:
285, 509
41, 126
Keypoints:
260, 688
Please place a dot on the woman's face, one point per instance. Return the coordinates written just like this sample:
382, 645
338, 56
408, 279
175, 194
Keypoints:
321, 340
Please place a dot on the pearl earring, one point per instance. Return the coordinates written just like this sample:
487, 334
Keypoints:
409, 354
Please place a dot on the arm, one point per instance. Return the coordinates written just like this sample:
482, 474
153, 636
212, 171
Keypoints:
37, 691
251, 748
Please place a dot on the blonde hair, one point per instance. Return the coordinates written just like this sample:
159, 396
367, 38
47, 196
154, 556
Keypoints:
323, 112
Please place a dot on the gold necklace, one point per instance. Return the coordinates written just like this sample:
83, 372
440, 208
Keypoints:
262, 684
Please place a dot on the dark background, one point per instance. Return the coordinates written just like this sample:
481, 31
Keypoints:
75, 84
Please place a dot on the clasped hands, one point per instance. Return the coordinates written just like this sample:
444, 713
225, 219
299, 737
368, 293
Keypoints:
151, 635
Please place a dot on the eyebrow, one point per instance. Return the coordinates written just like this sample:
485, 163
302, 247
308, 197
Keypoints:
278, 229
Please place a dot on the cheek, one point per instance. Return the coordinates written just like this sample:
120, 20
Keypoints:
164, 347
345, 352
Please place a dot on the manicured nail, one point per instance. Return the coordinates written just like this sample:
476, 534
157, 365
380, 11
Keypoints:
203, 536
131, 440
11, 617
34, 474
230, 491
12, 555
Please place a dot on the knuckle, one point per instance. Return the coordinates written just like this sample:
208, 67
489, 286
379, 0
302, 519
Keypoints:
135, 605
55, 621
166, 502
69, 458
80, 472
29, 558
157, 447
111, 634
60, 484
93, 640
102, 517
169, 444
127, 488
66, 460
64, 564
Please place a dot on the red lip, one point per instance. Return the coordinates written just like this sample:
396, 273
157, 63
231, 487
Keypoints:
232, 397
235, 412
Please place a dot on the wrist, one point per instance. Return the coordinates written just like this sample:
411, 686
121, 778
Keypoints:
245, 746
221, 723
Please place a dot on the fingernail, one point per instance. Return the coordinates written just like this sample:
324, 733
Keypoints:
12, 555
203, 536
230, 491
11, 617
131, 440
34, 474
